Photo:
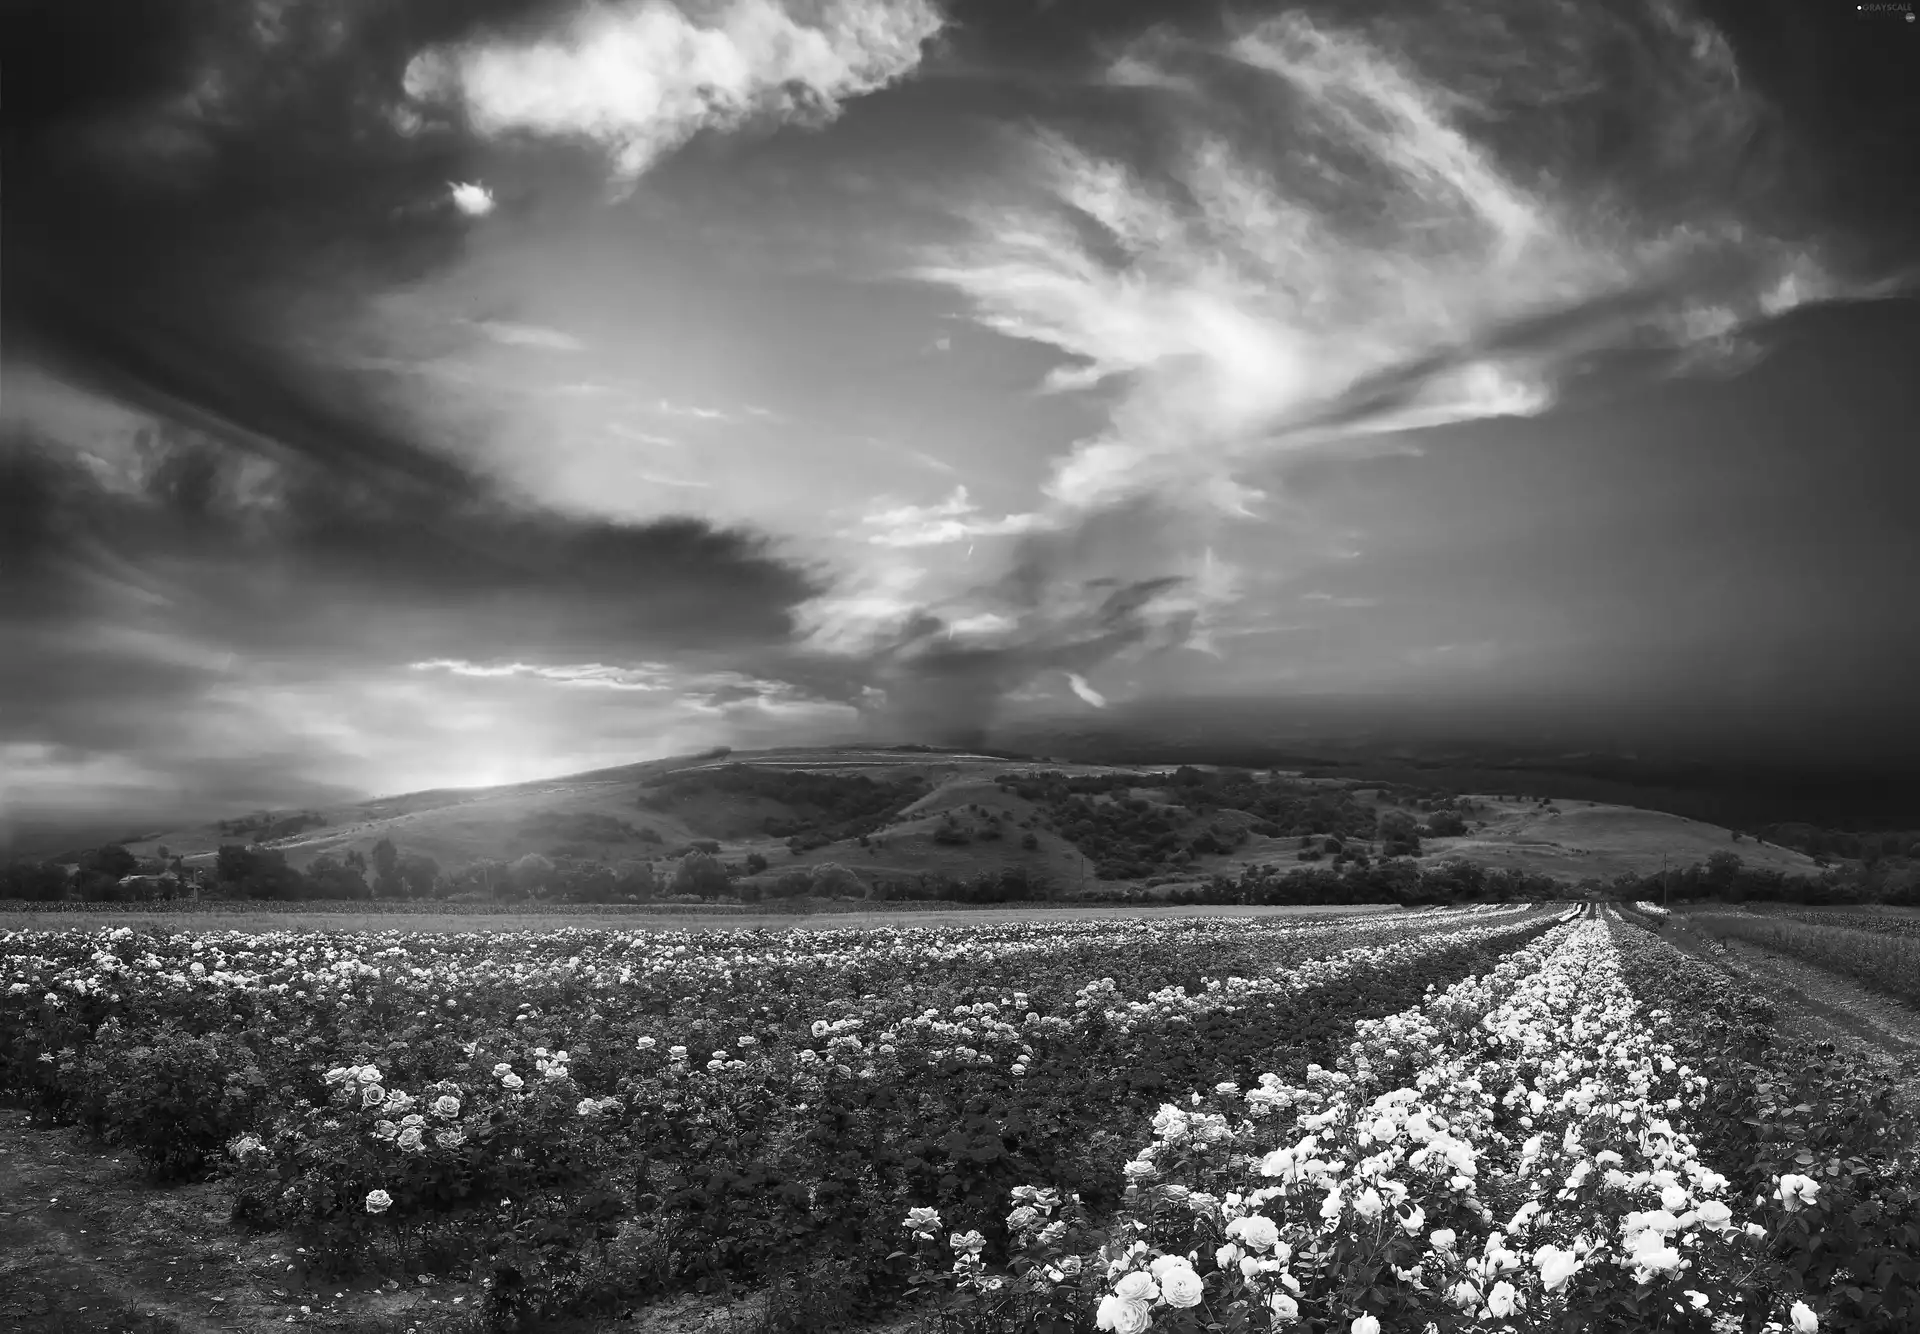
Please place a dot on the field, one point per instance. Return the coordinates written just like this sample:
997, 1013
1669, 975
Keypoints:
1512, 1118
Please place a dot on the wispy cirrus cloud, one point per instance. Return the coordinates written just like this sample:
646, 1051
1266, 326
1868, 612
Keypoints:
641, 79
530, 335
952, 520
1337, 231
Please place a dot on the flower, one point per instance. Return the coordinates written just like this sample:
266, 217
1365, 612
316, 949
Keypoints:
1284, 1307
450, 1139
1136, 1287
1443, 1238
967, 1243
378, 1201
1556, 1266
372, 1096
1364, 1324
447, 1106
1181, 1286
1796, 1192
923, 1222
1502, 1299
511, 1080
1121, 1316
1804, 1320
1256, 1232
410, 1139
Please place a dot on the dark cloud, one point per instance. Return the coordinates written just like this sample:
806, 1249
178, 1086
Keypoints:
201, 194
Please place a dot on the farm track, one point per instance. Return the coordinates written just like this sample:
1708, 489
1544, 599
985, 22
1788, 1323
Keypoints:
1818, 1005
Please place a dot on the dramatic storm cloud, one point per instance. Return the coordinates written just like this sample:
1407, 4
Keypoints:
437, 393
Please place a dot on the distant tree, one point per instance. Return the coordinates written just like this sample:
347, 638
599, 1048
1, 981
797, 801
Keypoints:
329, 877
1399, 835
112, 861
755, 863
832, 880
386, 871
793, 884
420, 873
1030, 841
258, 873
43, 882
700, 873
635, 880
532, 874
707, 845
1723, 870
1446, 824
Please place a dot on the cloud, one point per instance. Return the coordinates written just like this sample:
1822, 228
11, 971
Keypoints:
640, 79
530, 335
933, 525
1331, 231
193, 608
1085, 691
472, 199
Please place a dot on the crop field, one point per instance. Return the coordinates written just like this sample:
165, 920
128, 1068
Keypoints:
1511, 1119
1859, 946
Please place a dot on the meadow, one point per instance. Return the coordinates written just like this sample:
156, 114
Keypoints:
1512, 1118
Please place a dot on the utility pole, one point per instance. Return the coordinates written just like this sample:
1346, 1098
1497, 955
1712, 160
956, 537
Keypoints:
1666, 882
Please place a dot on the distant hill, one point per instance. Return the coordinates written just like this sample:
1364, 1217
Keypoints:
923, 811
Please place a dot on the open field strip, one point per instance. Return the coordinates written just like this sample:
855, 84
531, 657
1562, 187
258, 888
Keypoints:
1860, 947
582, 1116
1516, 1152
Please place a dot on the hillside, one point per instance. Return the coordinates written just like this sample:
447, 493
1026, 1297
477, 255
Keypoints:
931, 813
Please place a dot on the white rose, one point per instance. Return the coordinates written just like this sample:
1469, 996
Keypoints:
1501, 1300
1122, 1317
1182, 1287
1804, 1320
1283, 1306
1136, 1287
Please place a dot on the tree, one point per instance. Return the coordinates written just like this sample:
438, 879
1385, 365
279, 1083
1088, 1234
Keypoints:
832, 880
700, 873
386, 870
258, 873
755, 863
532, 874
1030, 841
1723, 870
331, 878
1399, 835
41, 881
419, 873
1446, 824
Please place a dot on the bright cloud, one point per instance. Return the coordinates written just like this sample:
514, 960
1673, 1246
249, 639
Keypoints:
1387, 271
951, 520
530, 335
471, 198
641, 79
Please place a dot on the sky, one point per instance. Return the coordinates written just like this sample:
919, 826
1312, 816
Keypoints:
439, 394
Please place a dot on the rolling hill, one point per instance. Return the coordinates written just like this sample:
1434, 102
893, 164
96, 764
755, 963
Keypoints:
922, 812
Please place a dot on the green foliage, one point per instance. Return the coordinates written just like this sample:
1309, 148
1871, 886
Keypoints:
700, 873
1886, 961
1781, 1105
830, 806
258, 873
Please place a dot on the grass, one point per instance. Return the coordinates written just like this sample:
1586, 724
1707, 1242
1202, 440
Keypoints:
1889, 964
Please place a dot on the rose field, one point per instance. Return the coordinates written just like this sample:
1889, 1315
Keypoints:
1454, 1120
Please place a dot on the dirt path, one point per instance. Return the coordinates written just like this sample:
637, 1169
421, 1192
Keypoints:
1818, 1005
89, 1246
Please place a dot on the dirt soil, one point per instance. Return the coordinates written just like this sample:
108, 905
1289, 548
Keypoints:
1818, 1005
89, 1246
